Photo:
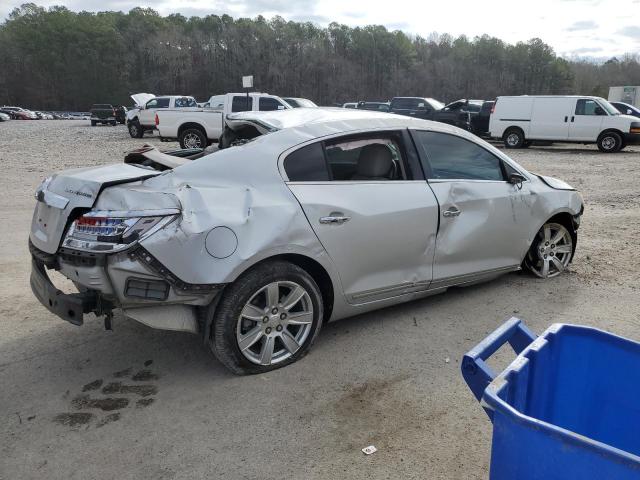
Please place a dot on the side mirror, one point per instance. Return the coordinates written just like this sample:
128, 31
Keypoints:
516, 178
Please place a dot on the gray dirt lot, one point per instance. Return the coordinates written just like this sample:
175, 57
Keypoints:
378, 379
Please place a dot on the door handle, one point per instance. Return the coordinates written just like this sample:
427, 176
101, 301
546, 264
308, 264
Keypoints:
565, 119
572, 118
334, 219
452, 212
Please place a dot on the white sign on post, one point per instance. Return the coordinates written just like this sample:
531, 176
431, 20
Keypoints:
247, 81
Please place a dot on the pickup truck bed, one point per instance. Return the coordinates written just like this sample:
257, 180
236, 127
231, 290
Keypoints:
193, 127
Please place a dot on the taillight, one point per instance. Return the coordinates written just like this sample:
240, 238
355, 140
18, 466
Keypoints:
157, 120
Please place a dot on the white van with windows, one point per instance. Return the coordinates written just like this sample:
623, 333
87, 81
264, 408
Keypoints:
519, 120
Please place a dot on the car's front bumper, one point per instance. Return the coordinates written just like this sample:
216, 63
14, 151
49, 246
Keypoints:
631, 138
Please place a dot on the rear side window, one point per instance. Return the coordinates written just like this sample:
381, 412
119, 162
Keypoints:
452, 157
365, 159
408, 103
242, 104
307, 164
268, 104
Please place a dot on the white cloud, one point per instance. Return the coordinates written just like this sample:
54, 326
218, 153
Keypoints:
569, 26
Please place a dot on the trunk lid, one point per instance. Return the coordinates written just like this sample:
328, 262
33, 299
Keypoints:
71, 190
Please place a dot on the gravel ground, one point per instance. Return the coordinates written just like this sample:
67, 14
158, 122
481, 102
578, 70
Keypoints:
381, 378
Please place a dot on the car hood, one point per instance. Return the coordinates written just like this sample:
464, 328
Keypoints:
141, 99
555, 183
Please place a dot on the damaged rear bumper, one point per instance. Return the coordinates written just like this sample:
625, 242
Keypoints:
133, 281
68, 306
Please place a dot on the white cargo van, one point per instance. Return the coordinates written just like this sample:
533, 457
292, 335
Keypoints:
580, 119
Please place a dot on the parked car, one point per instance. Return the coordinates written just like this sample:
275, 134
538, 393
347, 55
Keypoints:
480, 122
10, 113
121, 114
578, 119
299, 102
458, 113
375, 106
254, 247
626, 109
4, 117
103, 113
197, 128
416, 107
142, 119
20, 113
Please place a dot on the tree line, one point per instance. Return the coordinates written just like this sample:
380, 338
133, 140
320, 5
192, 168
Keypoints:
58, 59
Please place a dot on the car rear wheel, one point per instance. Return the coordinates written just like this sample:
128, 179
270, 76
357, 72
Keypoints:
268, 318
135, 129
193, 138
609, 142
551, 251
514, 138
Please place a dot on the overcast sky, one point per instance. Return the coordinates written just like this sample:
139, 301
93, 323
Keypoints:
585, 28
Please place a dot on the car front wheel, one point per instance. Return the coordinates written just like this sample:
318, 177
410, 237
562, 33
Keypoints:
268, 318
135, 129
551, 251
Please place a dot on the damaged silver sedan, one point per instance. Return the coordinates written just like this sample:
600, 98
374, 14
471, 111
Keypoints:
312, 215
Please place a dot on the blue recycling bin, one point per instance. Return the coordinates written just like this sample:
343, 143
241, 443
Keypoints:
568, 406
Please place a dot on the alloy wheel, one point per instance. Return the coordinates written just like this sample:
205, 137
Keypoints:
513, 139
551, 252
275, 322
191, 140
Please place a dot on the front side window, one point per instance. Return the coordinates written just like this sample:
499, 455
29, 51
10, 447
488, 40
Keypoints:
588, 107
242, 104
158, 103
452, 157
269, 104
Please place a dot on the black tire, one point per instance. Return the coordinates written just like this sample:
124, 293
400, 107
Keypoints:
135, 129
609, 142
193, 138
223, 341
513, 138
93, 123
114, 123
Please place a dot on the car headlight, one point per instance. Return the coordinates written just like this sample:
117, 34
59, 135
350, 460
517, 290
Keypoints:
112, 231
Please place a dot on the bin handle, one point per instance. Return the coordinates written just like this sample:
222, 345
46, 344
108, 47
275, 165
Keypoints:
475, 371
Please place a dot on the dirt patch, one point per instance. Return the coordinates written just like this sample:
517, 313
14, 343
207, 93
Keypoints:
144, 376
105, 404
119, 388
96, 384
112, 417
145, 402
73, 419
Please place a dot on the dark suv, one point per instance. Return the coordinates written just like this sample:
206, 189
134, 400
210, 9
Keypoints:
103, 113
418, 107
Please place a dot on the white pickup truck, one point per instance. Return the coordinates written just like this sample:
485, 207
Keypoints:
200, 127
142, 118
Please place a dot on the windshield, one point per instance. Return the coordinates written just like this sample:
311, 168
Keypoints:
610, 109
